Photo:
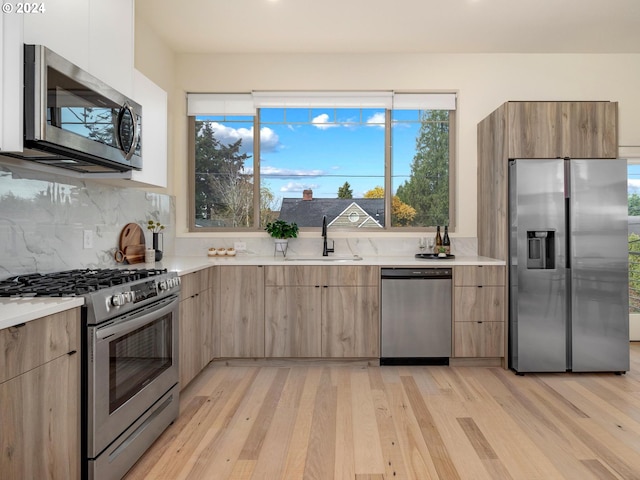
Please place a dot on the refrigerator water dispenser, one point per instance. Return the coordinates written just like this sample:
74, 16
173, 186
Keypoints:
540, 250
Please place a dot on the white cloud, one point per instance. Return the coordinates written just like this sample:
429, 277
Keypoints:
321, 122
267, 171
376, 120
633, 185
298, 187
269, 140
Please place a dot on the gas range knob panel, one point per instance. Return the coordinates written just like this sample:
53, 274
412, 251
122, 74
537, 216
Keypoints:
123, 298
118, 300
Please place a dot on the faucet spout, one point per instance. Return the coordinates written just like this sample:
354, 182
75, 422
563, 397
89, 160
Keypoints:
325, 249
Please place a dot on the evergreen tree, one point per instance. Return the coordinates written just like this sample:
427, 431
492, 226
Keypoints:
427, 189
634, 204
345, 191
223, 191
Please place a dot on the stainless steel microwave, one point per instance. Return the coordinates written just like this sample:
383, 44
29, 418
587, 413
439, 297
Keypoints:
75, 121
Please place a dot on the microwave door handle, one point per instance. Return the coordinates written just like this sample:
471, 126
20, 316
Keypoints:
136, 134
123, 328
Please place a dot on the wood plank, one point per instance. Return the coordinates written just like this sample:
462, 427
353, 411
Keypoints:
422, 423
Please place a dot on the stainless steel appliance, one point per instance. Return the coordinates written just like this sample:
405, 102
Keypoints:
130, 357
416, 316
73, 120
569, 306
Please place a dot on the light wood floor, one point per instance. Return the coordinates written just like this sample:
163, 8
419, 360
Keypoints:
315, 422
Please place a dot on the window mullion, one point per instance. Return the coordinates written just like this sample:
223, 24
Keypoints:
388, 195
256, 170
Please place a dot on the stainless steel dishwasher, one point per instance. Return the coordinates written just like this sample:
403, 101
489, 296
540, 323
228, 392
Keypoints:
416, 316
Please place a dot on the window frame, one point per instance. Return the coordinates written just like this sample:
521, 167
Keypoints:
388, 228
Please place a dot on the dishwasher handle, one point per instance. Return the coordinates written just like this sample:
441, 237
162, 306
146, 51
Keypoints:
416, 273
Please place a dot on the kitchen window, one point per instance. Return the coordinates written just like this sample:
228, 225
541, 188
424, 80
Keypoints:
321, 153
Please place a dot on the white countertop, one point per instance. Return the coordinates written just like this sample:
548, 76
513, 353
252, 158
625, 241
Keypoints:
14, 311
185, 264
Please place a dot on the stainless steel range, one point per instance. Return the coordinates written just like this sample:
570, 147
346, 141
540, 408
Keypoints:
130, 358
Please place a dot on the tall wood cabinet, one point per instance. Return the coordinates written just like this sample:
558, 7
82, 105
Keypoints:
318, 311
199, 338
533, 130
40, 398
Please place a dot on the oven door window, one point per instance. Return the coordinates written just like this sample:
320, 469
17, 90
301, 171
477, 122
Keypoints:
137, 358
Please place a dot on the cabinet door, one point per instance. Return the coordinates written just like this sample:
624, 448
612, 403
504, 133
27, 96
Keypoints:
590, 130
349, 275
292, 321
190, 340
350, 322
241, 311
40, 418
534, 129
479, 339
11, 82
474, 275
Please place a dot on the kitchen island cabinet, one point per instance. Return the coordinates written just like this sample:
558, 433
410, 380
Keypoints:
40, 398
198, 332
241, 311
479, 311
318, 311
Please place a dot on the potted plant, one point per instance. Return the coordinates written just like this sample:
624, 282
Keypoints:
282, 231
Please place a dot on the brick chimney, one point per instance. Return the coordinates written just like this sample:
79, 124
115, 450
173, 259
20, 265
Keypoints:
307, 195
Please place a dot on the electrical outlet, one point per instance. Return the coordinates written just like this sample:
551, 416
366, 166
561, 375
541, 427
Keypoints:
240, 246
87, 239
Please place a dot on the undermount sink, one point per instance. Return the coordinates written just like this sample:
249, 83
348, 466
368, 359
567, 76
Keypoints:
320, 258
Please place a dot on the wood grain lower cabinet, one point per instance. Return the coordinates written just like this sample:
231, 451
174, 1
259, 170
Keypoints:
241, 311
40, 401
479, 310
198, 332
317, 311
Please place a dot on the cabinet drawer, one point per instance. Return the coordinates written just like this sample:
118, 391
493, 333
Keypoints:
34, 343
471, 275
196, 282
475, 339
479, 304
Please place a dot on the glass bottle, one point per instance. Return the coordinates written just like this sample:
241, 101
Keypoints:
446, 242
438, 240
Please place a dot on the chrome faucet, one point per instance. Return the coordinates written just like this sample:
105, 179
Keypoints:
326, 250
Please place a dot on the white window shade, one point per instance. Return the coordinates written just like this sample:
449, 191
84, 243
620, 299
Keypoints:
322, 99
220, 104
424, 101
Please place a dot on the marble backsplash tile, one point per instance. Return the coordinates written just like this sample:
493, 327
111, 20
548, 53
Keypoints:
312, 245
43, 216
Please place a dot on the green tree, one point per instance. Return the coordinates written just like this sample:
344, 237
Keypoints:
223, 192
427, 189
345, 191
634, 204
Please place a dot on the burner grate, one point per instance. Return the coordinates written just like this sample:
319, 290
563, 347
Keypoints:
72, 282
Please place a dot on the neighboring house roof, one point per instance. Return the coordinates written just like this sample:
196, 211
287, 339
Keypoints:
340, 212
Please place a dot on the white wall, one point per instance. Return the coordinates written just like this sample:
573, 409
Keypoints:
482, 82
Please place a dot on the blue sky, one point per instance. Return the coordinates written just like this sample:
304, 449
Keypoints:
315, 150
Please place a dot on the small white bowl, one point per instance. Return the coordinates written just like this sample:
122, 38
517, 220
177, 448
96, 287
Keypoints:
221, 251
231, 252
212, 252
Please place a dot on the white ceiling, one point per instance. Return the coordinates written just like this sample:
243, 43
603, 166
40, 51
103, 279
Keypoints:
394, 26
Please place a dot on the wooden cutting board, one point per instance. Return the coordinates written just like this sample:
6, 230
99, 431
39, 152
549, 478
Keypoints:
132, 243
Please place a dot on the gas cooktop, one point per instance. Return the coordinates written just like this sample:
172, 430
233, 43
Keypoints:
72, 282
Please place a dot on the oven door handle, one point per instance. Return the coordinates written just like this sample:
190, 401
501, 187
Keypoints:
126, 326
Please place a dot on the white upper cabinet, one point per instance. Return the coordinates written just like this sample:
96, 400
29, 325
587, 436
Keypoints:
154, 131
11, 59
96, 35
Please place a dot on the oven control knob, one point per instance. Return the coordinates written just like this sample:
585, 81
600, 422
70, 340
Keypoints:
162, 285
129, 296
118, 300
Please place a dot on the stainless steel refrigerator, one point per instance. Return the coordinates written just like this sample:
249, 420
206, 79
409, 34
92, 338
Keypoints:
568, 249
